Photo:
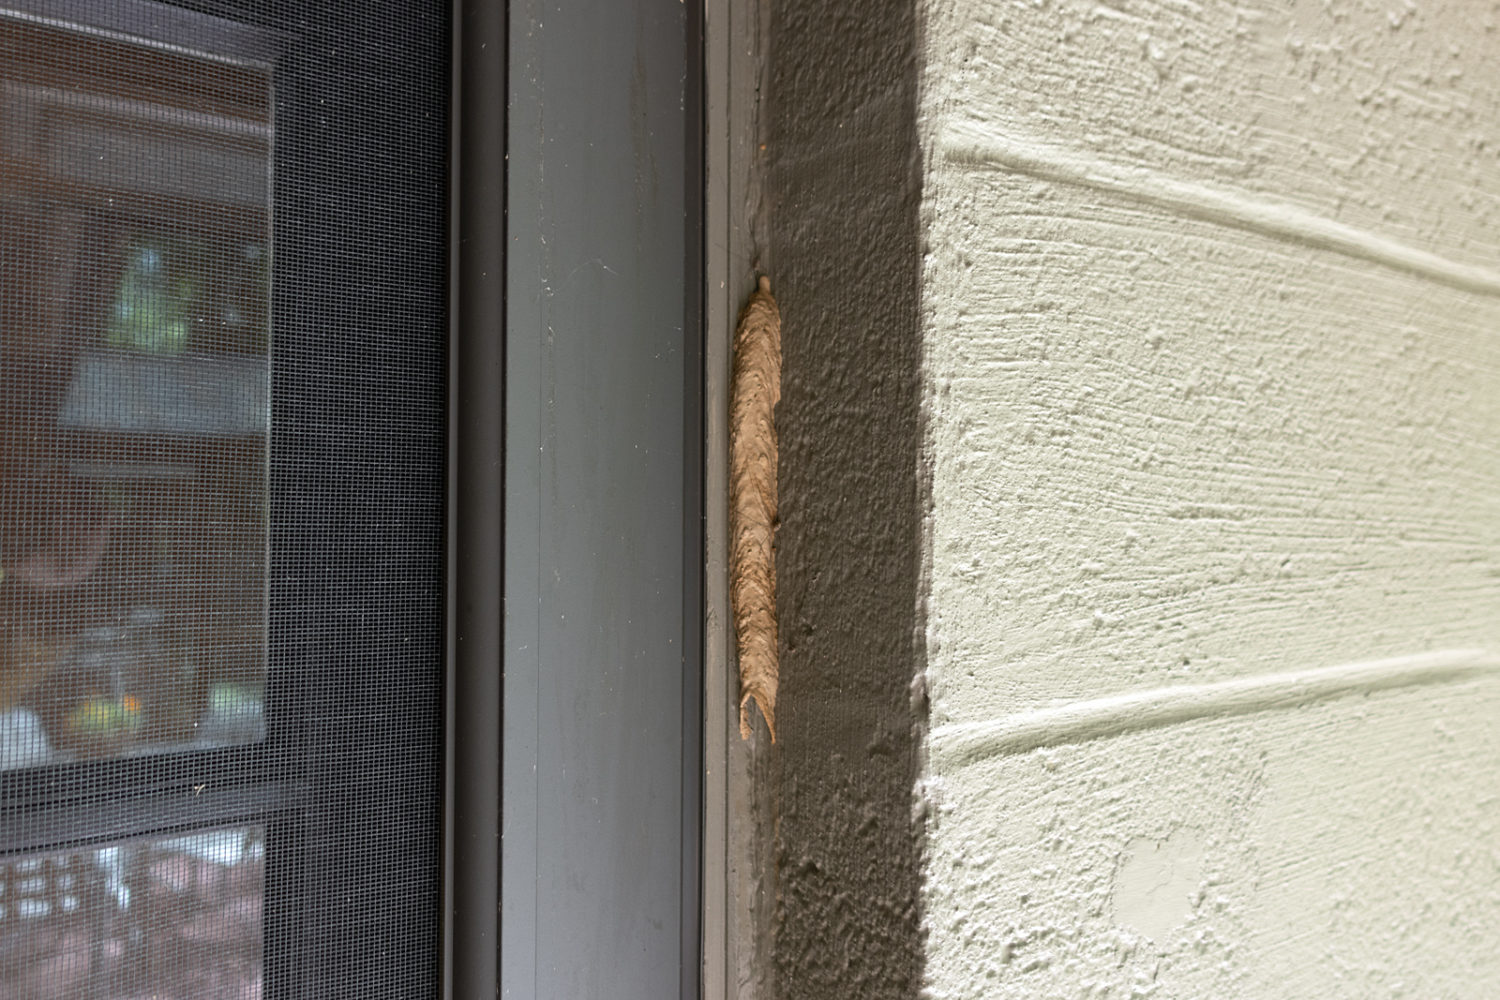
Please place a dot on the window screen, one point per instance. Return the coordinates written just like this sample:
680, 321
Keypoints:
222, 420
136, 415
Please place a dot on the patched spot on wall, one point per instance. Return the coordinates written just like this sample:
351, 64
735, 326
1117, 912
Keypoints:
1159, 882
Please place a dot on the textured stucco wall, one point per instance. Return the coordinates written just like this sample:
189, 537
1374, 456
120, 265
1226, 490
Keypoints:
1211, 314
842, 191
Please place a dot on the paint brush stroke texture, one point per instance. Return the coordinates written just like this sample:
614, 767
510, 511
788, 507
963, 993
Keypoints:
754, 393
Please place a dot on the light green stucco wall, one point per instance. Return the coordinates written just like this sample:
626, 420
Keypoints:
1211, 324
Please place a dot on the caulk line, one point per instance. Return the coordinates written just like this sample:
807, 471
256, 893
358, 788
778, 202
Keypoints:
970, 146
965, 743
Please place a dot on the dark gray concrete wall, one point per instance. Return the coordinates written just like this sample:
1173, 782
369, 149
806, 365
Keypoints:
843, 205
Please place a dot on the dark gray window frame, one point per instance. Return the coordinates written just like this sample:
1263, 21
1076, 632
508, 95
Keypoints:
576, 483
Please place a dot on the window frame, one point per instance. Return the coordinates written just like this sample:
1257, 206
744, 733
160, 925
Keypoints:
531, 203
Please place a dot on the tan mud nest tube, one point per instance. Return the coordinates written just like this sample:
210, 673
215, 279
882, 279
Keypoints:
754, 392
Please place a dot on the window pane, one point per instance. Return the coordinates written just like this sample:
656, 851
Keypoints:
134, 396
170, 919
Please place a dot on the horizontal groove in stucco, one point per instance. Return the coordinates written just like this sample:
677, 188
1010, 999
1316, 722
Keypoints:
1021, 732
971, 146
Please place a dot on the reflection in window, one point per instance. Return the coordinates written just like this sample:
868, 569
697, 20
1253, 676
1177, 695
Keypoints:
152, 308
175, 294
134, 397
175, 918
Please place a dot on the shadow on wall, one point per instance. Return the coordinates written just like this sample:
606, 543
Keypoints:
844, 201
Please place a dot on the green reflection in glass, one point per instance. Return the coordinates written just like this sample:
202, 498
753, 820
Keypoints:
154, 306
176, 295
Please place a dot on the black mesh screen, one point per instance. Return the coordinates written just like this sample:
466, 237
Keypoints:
222, 425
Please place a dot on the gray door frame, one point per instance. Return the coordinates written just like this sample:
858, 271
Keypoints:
577, 482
